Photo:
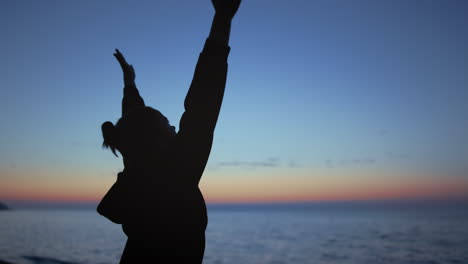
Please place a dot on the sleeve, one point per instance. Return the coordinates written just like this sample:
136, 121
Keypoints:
204, 98
202, 106
131, 99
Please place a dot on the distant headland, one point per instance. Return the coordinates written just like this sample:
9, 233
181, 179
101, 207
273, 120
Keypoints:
3, 206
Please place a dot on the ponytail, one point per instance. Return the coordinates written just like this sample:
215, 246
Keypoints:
109, 134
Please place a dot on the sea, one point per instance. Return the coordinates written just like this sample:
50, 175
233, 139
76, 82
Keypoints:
428, 232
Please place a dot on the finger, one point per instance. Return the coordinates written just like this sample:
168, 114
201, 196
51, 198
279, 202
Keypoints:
121, 59
118, 53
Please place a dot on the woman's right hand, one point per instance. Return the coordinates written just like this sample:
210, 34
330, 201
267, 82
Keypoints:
226, 8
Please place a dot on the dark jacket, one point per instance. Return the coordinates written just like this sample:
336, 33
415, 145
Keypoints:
168, 197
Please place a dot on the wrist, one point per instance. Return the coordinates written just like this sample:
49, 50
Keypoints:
129, 83
222, 17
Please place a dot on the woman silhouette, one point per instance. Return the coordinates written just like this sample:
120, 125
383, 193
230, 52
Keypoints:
156, 197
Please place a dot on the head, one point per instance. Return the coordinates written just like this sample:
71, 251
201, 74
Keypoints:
140, 134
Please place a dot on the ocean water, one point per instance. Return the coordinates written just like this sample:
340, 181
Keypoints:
300, 233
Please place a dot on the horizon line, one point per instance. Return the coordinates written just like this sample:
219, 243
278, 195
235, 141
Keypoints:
78, 203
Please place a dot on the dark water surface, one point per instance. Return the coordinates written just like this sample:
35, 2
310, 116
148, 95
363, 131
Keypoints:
300, 233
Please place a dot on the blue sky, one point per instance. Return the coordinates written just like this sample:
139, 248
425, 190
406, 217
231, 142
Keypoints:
351, 85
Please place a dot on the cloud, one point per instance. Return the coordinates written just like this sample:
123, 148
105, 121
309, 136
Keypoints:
267, 163
359, 161
293, 164
364, 161
394, 155
272, 162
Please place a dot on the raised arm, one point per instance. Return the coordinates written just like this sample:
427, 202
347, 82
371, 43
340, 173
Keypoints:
131, 97
204, 98
221, 26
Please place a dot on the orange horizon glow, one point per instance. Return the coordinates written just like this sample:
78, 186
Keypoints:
245, 186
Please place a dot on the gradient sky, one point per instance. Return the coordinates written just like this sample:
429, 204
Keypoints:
325, 100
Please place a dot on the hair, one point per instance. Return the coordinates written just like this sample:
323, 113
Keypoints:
110, 138
133, 130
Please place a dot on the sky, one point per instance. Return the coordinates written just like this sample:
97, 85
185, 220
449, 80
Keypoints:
325, 100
